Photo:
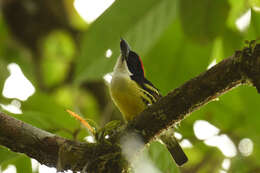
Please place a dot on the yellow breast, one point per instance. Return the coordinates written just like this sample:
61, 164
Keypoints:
126, 94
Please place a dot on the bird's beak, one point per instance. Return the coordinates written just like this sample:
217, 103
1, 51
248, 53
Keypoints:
125, 49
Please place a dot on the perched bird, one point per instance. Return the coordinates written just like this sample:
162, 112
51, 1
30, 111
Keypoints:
132, 93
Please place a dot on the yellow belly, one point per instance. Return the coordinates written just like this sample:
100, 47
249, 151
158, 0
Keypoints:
127, 96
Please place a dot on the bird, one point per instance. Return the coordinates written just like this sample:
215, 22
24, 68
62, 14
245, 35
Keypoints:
132, 93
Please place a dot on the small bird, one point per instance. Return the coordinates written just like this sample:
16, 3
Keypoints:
132, 93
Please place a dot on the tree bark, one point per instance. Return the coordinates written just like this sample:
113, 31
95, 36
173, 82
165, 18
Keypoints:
105, 155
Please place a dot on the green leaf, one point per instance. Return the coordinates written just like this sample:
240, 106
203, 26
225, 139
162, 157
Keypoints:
255, 18
87, 104
141, 27
3, 74
42, 111
238, 8
175, 59
255, 4
232, 41
161, 157
3, 64
239, 166
6, 155
10, 52
23, 164
203, 20
20, 161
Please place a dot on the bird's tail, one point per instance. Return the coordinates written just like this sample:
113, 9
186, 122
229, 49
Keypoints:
174, 148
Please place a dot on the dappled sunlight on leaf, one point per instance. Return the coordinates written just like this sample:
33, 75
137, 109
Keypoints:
14, 107
255, 4
10, 169
213, 62
256, 8
243, 22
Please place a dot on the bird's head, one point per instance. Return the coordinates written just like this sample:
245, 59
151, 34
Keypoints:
131, 59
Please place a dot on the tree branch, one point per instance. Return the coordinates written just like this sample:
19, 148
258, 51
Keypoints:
52, 150
105, 155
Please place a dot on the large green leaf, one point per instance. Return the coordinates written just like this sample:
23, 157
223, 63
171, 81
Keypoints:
139, 22
175, 59
203, 20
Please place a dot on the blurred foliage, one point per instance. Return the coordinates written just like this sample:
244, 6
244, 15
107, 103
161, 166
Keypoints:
58, 50
177, 40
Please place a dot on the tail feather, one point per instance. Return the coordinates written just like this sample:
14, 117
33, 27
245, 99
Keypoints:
175, 149
178, 154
